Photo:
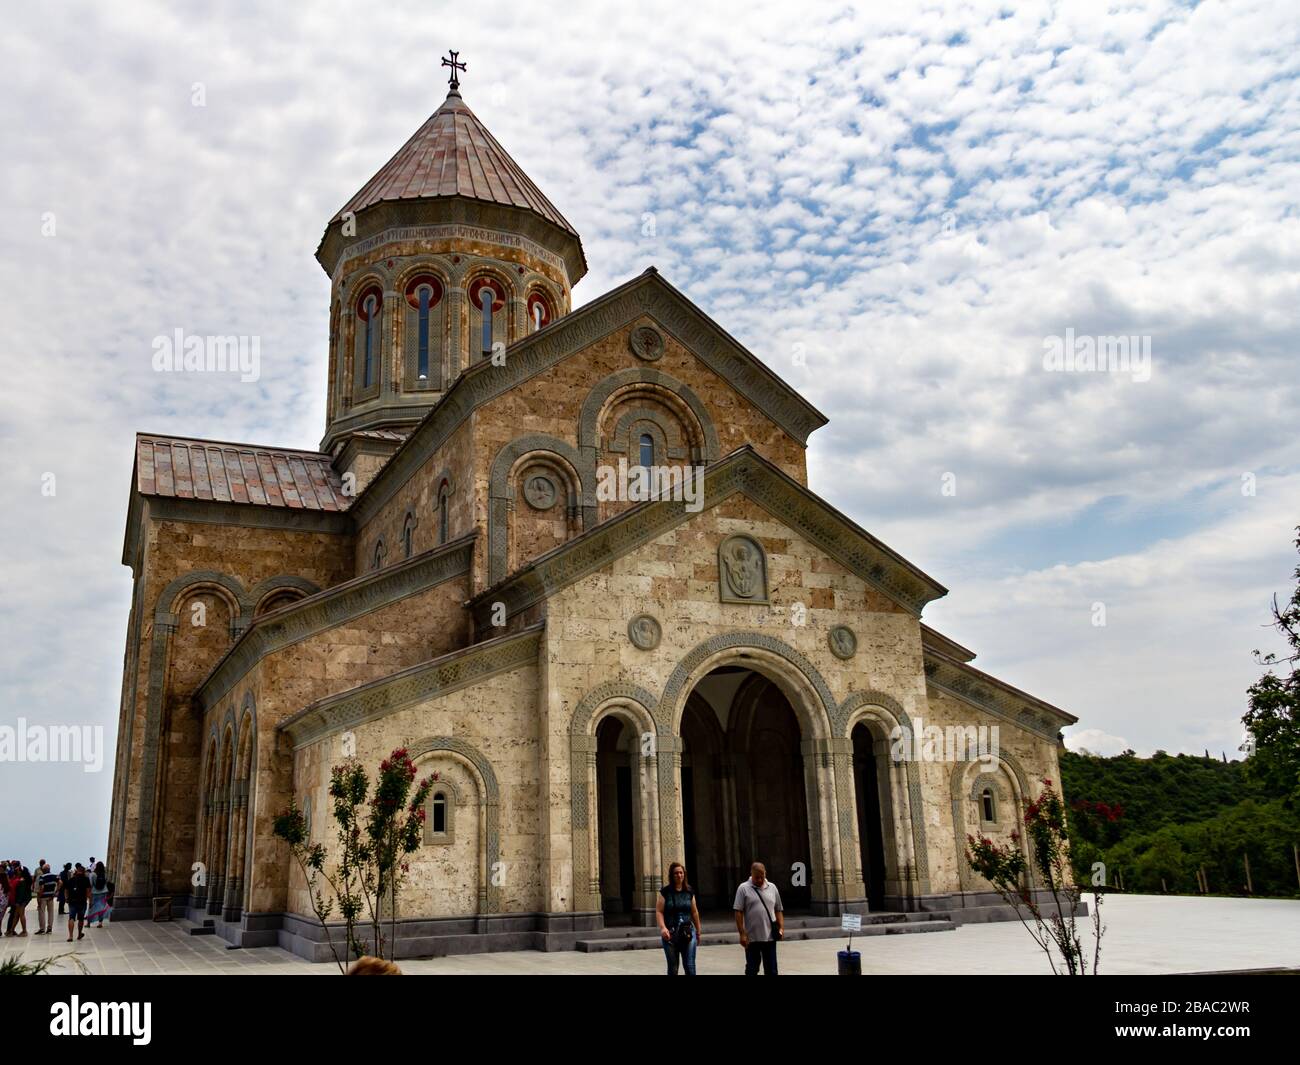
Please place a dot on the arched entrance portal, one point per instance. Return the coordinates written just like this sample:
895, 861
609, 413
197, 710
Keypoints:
744, 796
871, 842
615, 742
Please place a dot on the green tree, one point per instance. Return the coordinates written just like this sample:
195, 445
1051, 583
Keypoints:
1273, 719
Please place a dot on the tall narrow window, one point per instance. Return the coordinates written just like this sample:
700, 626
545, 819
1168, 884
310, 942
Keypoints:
377, 561
368, 372
647, 450
368, 333
439, 818
485, 306
443, 515
489, 299
408, 535
424, 332
990, 813
539, 311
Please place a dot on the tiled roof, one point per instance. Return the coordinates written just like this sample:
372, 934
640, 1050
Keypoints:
237, 473
453, 154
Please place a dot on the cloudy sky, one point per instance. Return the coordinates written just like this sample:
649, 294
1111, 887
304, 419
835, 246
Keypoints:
894, 208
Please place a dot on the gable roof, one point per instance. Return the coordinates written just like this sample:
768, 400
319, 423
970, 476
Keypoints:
647, 294
744, 471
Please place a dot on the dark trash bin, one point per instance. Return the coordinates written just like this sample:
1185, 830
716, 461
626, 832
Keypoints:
850, 963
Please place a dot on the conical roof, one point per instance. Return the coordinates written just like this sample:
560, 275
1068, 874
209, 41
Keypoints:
453, 154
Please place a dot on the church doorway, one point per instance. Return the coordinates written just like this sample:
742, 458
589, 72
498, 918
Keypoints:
743, 792
871, 842
614, 744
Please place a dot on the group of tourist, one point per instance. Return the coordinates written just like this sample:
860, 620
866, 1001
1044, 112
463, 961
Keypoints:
760, 920
84, 892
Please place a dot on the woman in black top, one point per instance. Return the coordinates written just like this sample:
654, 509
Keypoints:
679, 920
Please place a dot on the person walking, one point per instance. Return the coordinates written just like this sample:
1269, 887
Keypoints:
47, 884
760, 920
101, 896
63, 885
679, 920
20, 894
78, 894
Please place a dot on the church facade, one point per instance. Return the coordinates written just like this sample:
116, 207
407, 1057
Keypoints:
719, 669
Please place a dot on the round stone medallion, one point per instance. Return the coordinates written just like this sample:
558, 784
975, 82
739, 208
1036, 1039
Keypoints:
843, 642
539, 491
647, 343
644, 632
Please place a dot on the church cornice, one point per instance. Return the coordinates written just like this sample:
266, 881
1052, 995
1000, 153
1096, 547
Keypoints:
743, 471
437, 677
976, 688
646, 295
331, 608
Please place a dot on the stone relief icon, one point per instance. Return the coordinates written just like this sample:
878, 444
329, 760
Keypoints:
646, 343
742, 571
539, 491
843, 641
644, 632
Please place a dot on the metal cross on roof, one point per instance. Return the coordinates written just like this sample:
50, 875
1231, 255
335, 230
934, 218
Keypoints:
455, 65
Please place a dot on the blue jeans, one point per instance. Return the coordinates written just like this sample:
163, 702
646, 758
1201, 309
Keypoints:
687, 957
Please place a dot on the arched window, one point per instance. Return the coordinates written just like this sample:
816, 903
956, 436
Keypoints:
368, 344
647, 449
487, 296
439, 816
377, 561
444, 515
424, 320
539, 311
988, 808
408, 535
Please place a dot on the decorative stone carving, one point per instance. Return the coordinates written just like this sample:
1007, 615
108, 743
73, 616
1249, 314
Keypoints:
742, 571
646, 343
644, 632
539, 491
843, 641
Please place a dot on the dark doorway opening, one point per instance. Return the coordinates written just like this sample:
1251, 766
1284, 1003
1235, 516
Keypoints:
746, 799
870, 833
615, 812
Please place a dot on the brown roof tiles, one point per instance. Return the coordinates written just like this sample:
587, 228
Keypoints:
453, 154
182, 468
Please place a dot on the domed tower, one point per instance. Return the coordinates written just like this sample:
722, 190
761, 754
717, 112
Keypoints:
447, 254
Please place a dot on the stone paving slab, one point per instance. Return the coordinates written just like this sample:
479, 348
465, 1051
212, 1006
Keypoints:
1145, 934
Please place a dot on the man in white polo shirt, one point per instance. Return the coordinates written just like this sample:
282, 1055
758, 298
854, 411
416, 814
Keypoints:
760, 920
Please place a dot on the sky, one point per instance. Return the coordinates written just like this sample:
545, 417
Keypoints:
901, 209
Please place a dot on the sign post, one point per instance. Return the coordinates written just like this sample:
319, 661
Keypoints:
850, 960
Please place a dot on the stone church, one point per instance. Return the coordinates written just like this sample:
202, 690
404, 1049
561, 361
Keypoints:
717, 673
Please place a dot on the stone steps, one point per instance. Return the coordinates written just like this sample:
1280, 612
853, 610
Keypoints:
796, 929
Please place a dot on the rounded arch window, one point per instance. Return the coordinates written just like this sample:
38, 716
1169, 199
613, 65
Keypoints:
424, 292
381, 552
487, 297
646, 450
370, 305
408, 535
277, 599
988, 806
540, 312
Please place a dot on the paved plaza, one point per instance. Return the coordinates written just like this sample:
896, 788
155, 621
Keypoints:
1145, 934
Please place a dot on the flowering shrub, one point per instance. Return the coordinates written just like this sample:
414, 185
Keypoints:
374, 838
1008, 870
